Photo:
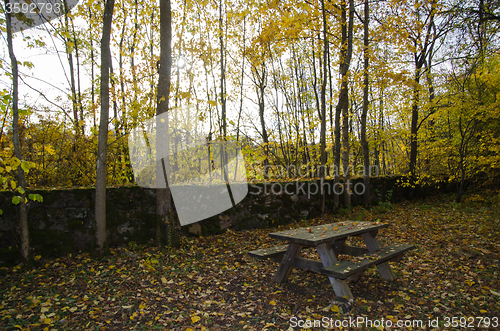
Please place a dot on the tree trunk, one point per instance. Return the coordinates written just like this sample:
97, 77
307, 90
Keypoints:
164, 211
242, 79
261, 79
420, 59
23, 213
78, 80
102, 152
222, 75
343, 104
414, 121
336, 152
323, 106
92, 91
135, 87
69, 54
364, 142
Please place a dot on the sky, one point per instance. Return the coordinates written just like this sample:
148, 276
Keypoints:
49, 75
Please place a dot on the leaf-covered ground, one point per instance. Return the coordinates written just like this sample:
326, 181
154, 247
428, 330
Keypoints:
212, 284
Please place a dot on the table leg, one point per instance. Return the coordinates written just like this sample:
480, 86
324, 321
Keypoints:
337, 246
328, 258
286, 265
372, 244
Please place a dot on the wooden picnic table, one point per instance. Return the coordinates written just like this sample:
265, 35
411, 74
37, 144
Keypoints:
329, 242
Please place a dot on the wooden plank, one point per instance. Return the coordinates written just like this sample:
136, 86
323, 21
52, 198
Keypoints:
345, 269
337, 246
328, 258
353, 251
274, 253
308, 264
372, 244
355, 277
269, 253
286, 265
325, 233
396, 258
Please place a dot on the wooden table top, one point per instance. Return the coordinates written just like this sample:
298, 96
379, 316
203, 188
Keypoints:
315, 235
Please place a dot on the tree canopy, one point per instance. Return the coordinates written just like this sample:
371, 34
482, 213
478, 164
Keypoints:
272, 76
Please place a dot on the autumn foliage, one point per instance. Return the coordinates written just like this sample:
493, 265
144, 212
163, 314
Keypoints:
212, 284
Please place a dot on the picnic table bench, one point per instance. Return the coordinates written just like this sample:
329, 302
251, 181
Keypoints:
329, 242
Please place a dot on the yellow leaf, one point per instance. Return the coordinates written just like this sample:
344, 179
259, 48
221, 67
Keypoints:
195, 319
44, 310
272, 303
335, 309
482, 311
142, 306
163, 280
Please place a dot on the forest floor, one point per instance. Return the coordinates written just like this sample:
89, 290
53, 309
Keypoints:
211, 283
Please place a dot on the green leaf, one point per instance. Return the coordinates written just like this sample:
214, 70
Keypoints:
36, 197
16, 200
1, 212
20, 190
25, 112
25, 166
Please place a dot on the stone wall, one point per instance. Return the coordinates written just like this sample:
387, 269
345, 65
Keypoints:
64, 222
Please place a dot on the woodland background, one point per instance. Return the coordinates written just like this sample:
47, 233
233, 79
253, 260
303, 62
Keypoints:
406, 88
410, 88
